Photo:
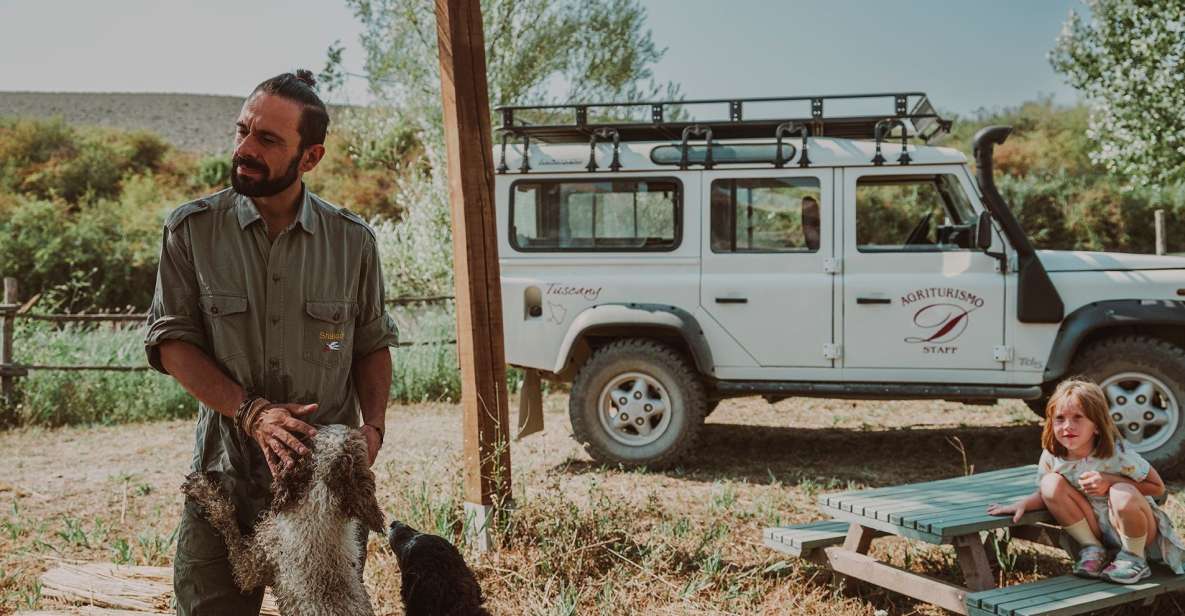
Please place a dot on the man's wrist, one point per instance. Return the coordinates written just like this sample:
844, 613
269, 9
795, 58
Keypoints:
248, 412
377, 429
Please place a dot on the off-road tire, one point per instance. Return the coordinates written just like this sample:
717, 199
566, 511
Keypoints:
1038, 406
1157, 358
710, 407
658, 361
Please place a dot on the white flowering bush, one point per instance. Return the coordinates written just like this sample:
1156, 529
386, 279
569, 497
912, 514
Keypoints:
1128, 63
417, 250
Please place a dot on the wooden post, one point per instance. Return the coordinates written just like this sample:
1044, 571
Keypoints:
480, 350
1160, 246
7, 314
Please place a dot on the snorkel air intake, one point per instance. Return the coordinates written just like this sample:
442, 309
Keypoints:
1037, 299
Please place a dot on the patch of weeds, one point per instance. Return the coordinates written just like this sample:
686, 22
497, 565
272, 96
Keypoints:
566, 601
121, 552
74, 534
155, 548
724, 496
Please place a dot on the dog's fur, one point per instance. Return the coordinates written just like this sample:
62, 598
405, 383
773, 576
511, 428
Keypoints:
305, 545
434, 578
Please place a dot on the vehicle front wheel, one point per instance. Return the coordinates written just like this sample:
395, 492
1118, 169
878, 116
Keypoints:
1144, 381
637, 402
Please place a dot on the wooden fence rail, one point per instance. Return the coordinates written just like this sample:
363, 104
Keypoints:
11, 310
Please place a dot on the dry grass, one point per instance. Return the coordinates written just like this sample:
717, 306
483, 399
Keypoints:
584, 539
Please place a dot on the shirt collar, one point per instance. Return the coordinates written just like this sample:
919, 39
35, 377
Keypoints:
306, 217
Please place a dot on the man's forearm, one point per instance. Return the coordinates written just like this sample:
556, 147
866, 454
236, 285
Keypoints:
201, 376
372, 381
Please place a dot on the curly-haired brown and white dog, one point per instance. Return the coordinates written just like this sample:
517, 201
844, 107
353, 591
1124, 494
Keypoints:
434, 578
305, 545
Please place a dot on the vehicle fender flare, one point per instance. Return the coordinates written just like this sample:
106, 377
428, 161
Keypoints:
1091, 318
625, 316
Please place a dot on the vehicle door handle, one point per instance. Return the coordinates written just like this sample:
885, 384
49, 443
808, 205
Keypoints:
873, 300
732, 300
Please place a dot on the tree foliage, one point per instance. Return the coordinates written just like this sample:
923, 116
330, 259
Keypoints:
1129, 62
536, 51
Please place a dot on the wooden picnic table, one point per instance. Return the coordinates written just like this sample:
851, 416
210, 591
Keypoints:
952, 512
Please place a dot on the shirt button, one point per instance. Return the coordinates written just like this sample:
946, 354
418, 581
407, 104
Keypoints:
275, 319
337, 315
275, 278
214, 310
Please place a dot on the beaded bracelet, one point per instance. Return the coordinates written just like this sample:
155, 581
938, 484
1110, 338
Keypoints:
248, 411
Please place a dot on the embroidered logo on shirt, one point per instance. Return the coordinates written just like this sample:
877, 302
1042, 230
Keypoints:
332, 335
332, 346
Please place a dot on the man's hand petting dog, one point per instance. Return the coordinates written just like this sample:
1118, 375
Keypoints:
276, 431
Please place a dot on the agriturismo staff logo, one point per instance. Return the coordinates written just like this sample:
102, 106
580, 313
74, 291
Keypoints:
941, 314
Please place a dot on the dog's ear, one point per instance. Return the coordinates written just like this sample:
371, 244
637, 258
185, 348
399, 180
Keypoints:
292, 484
353, 481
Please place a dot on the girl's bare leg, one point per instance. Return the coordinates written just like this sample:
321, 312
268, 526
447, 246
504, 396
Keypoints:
1066, 504
1131, 513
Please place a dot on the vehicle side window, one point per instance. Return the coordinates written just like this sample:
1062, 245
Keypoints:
765, 215
580, 216
913, 213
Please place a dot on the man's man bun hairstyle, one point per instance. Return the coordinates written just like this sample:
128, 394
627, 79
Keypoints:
306, 76
300, 87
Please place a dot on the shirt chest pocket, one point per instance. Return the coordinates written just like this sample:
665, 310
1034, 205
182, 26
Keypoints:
226, 318
328, 332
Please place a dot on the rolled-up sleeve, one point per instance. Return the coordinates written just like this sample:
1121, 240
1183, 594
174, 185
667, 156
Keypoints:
173, 315
373, 327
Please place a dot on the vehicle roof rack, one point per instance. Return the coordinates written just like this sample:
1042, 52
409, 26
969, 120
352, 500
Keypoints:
580, 122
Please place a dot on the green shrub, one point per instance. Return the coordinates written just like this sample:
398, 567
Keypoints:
100, 257
212, 171
54, 398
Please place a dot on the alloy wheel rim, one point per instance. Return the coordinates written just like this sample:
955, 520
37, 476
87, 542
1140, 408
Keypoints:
1143, 408
634, 409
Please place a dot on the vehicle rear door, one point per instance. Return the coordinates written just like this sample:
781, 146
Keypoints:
768, 242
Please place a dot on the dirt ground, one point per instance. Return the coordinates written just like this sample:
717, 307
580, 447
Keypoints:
111, 494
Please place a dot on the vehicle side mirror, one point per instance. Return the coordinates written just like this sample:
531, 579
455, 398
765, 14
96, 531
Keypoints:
983, 231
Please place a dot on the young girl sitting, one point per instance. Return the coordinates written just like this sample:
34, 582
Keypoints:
1099, 491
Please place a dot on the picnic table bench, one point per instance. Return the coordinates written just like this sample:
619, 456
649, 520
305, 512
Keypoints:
953, 512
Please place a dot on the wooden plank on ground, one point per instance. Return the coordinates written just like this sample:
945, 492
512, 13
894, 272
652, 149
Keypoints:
908, 583
89, 610
118, 587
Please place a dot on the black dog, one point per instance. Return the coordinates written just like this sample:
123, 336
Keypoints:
434, 578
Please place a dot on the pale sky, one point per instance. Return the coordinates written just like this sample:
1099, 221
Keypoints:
967, 55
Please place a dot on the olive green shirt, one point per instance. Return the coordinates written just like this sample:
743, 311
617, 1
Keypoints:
284, 318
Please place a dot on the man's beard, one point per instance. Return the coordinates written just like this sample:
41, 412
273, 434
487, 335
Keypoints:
264, 186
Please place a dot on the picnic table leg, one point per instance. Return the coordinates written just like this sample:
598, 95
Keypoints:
859, 539
973, 559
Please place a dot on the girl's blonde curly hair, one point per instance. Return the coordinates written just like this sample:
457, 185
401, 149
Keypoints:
1093, 403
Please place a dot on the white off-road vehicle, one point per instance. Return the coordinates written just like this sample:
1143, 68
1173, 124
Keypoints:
661, 265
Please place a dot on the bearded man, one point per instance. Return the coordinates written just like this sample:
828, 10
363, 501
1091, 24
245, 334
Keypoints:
269, 311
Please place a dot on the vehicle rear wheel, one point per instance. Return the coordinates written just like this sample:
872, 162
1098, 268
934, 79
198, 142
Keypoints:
1144, 381
637, 402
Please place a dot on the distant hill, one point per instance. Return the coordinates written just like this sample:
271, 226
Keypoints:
195, 122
